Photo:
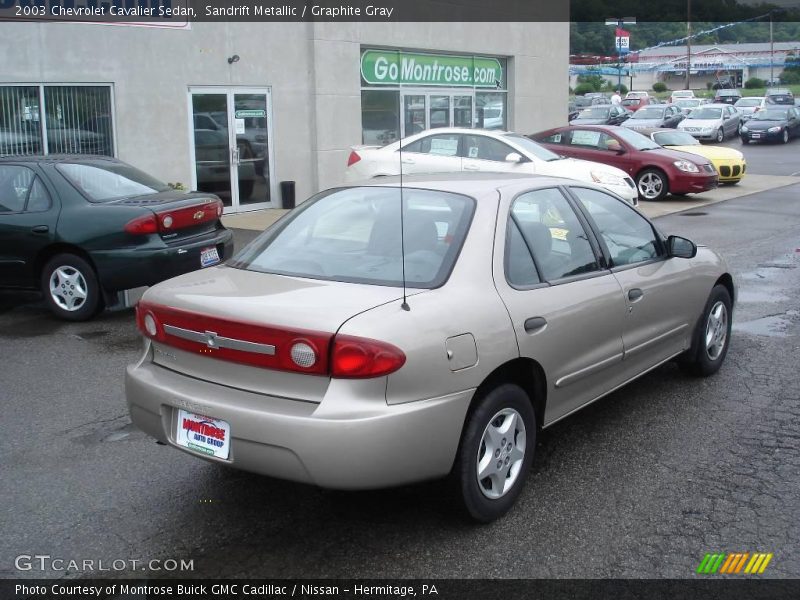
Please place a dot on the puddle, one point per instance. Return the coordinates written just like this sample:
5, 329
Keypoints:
771, 326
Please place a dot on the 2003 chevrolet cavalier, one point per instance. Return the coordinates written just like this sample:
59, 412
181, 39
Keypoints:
527, 299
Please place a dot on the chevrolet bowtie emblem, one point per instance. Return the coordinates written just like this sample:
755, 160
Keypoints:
198, 215
211, 339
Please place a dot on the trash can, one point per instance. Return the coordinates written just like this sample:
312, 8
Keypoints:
287, 194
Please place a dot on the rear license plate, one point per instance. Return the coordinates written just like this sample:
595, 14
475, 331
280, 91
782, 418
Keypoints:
203, 434
209, 257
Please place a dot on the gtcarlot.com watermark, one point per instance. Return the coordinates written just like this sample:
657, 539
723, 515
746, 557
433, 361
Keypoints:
46, 562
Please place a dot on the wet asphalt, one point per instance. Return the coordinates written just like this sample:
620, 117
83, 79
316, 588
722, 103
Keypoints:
640, 484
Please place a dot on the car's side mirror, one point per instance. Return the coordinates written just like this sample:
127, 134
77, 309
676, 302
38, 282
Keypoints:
514, 157
680, 247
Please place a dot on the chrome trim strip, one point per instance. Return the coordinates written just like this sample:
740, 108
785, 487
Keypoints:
212, 340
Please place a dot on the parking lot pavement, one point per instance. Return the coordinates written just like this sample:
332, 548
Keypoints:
641, 484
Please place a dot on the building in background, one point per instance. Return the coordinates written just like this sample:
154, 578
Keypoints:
235, 108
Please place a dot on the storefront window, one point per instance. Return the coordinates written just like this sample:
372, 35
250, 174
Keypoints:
380, 117
75, 120
418, 91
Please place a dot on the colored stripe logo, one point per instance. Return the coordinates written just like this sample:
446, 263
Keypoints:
734, 563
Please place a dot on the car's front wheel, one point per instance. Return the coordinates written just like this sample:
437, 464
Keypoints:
712, 337
70, 288
652, 184
785, 137
720, 135
495, 453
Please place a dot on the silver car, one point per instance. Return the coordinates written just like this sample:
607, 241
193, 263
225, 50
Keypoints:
351, 347
712, 122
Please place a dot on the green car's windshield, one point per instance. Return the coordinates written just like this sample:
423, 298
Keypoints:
102, 181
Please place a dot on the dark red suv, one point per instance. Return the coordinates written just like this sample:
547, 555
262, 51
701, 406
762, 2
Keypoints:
657, 171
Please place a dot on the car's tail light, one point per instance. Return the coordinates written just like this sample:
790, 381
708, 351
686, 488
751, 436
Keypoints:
143, 225
300, 351
353, 158
361, 358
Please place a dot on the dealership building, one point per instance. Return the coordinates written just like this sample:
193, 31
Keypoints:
238, 107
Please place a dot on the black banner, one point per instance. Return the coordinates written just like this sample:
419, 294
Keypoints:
438, 589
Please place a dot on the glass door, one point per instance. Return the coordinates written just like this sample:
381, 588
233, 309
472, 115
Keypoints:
432, 109
231, 145
462, 111
414, 114
439, 114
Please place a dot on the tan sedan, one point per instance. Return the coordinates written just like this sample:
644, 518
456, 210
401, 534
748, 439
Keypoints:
525, 299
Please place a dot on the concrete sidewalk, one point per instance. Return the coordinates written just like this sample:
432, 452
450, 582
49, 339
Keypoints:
259, 220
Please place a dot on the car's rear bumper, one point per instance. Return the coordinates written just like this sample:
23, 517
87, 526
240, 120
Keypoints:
693, 183
340, 443
127, 268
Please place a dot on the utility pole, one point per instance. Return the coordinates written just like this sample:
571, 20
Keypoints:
688, 42
771, 52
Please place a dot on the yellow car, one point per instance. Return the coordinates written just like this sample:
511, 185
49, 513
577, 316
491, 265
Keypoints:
729, 163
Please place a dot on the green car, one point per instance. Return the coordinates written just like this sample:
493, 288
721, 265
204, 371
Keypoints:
81, 228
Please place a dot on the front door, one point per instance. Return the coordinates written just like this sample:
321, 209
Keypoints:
232, 146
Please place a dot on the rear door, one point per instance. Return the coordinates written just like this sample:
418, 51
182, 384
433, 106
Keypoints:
731, 120
28, 218
437, 153
567, 310
660, 293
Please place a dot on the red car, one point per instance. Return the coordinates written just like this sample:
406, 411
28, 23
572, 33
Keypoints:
634, 103
657, 171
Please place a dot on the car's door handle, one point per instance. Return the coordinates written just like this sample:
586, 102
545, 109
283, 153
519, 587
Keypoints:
535, 324
471, 167
635, 294
408, 161
40, 229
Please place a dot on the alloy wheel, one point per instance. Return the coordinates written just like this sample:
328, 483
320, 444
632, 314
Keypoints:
651, 185
68, 288
716, 330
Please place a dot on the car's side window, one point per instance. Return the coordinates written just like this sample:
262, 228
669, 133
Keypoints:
628, 236
439, 145
562, 137
554, 235
481, 147
38, 198
15, 184
520, 268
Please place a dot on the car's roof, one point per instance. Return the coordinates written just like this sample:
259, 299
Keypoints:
716, 105
35, 158
469, 184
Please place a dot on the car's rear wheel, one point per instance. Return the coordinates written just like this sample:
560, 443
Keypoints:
712, 337
495, 453
652, 184
720, 135
70, 288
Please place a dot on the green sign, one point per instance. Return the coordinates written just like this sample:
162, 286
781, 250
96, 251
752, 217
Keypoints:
244, 114
387, 67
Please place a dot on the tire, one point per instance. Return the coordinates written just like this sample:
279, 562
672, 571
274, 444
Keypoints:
745, 141
652, 184
712, 336
504, 406
720, 135
70, 288
785, 138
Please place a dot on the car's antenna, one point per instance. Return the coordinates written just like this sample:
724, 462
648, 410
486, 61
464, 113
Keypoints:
404, 305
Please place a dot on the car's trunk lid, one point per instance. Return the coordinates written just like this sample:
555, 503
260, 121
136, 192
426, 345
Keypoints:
237, 328
179, 215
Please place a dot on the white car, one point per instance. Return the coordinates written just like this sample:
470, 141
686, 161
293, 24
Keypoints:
453, 150
681, 95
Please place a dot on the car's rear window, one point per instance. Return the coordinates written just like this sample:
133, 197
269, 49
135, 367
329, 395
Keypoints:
105, 181
781, 99
354, 235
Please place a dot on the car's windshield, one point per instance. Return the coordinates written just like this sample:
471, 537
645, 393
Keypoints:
748, 102
688, 103
596, 112
354, 235
771, 114
649, 113
104, 181
531, 147
675, 138
637, 140
631, 102
706, 114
